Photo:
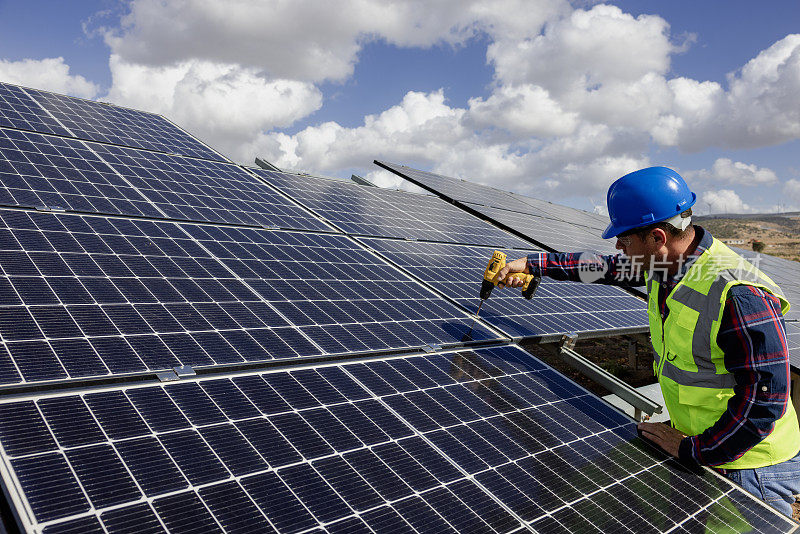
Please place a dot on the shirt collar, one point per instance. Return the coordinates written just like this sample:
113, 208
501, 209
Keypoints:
705, 241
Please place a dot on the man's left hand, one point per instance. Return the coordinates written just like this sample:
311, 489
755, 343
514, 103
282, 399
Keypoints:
666, 437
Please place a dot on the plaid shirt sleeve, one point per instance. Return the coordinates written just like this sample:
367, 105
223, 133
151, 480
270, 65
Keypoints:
753, 338
616, 269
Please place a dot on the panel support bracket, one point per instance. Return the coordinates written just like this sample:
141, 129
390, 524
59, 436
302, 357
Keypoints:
597, 374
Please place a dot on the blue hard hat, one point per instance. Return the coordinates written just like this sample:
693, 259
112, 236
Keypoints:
645, 197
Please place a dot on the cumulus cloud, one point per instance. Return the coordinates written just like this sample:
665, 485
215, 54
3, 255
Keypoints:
309, 41
726, 171
50, 74
758, 109
723, 201
226, 105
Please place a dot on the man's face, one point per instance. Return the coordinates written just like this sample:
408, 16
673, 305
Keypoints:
640, 248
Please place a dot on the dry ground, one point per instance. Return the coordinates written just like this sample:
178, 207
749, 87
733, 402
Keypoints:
780, 234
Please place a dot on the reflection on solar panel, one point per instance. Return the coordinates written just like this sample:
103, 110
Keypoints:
200, 190
785, 273
18, 110
46, 171
461, 190
793, 339
90, 296
481, 195
557, 307
380, 212
474, 441
555, 227
121, 126
554, 234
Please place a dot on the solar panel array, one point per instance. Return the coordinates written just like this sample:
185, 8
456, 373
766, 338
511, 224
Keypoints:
170, 259
89, 296
557, 307
474, 441
554, 227
359, 210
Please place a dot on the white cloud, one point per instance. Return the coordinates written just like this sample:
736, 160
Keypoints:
723, 201
225, 105
585, 49
726, 171
791, 189
759, 109
50, 74
525, 110
309, 41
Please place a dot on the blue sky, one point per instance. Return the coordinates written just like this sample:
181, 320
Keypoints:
540, 96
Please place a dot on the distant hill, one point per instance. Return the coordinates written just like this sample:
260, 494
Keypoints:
780, 232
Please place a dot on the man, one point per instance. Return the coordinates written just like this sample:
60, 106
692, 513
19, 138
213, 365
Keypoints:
716, 324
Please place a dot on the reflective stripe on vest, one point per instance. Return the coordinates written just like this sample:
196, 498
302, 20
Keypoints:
689, 363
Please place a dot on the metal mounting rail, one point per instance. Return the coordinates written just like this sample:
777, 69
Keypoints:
640, 403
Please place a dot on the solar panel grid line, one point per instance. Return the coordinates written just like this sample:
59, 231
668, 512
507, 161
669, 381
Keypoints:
221, 156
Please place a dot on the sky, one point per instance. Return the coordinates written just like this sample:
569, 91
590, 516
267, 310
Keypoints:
550, 98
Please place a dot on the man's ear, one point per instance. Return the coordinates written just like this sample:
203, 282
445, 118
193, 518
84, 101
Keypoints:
659, 236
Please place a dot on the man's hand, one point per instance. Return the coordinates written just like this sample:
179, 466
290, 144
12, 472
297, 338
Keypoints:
516, 266
666, 437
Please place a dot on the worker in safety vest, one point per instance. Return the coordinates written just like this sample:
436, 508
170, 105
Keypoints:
716, 324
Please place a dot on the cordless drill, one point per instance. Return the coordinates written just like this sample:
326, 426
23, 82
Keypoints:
490, 280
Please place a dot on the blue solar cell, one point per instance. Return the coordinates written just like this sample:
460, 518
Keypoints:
234, 509
194, 457
19, 110
22, 429
116, 415
275, 500
150, 465
50, 487
103, 475
233, 449
185, 512
134, 518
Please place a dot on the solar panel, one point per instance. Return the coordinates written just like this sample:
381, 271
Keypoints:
785, 273
372, 211
91, 296
474, 441
46, 171
551, 233
460, 190
557, 307
201, 190
475, 194
107, 123
18, 110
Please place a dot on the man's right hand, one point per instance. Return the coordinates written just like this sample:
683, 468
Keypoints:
516, 266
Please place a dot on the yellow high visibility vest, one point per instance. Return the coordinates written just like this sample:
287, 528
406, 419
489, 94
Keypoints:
690, 365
